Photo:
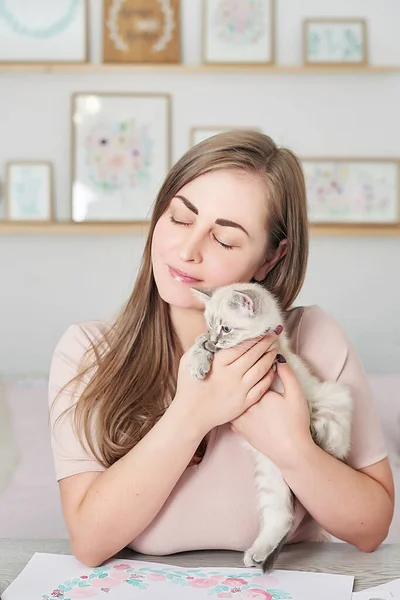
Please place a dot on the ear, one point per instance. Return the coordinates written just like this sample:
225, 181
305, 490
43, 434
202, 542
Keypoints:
269, 264
203, 295
244, 302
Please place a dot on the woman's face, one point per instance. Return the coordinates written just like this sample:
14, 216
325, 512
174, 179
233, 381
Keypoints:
213, 234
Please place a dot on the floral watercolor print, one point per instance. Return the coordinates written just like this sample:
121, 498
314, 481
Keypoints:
52, 576
352, 192
335, 42
42, 31
29, 192
120, 156
238, 31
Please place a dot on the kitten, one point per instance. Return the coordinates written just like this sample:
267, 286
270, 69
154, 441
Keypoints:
8, 448
240, 312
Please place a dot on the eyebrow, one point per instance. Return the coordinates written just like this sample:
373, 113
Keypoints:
223, 222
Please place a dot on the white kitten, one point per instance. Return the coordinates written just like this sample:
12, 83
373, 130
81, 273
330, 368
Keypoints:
244, 311
8, 449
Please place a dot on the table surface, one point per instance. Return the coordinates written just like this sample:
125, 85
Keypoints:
368, 569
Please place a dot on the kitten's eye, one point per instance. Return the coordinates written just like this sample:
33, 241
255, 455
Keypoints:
226, 329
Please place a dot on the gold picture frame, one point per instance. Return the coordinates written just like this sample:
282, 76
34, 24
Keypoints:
359, 191
141, 31
28, 208
103, 120
243, 57
331, 44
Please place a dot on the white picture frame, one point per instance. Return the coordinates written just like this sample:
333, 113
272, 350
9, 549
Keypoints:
239, 32
352, 190
29, 191
335, 42
43, 31
120, 155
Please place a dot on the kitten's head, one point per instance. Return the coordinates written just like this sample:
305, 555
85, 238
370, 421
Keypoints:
238, 312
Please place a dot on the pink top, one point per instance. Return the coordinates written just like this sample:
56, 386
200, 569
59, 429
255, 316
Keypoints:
213, 505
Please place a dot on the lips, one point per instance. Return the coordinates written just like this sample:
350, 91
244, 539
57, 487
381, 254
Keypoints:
182, 277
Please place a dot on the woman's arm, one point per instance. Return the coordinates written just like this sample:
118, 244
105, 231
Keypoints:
354, 506
99, 507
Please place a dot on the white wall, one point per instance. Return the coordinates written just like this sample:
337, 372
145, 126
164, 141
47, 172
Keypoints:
49, 281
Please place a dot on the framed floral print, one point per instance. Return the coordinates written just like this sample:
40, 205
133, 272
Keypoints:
43, 31
120, 154
238, 32
29, 191
335, 42
355, 190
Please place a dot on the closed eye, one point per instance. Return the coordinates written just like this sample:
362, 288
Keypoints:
175, 222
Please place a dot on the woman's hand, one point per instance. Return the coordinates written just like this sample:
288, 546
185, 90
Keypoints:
238, 378
279, 424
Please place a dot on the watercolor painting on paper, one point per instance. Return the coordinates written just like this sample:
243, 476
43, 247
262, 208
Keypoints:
50, 576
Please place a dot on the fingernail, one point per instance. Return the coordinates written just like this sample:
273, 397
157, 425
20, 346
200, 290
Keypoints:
279, 330
280, 358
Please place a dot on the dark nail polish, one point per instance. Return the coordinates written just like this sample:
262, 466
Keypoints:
280, 358
279, 330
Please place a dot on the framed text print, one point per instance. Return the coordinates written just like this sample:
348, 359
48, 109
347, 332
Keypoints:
363, 190
144, 31
29, 191
120, 154
43, 31
335, 42
238, 32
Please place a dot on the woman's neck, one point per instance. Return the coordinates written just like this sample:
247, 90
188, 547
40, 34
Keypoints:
188, 324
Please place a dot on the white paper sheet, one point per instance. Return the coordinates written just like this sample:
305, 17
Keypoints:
386, 591
51, 576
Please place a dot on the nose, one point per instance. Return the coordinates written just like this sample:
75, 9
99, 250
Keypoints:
190, 248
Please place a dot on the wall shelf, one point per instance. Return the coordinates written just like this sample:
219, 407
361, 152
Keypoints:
66, 228
201, 68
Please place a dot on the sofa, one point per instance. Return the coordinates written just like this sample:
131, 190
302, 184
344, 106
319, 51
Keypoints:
29, 500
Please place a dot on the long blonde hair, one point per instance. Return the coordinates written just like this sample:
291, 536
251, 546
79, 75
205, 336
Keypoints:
135, 364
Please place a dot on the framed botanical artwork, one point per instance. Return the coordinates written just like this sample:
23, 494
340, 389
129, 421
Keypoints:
43, 31
144, 31
29, 191
198, 134
335, 42
239, 32
120, 154
355, 190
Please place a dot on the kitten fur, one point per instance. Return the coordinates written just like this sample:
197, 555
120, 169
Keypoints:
244, 311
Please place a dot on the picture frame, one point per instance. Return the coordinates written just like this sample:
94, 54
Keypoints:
121, 153
352, 190
239, 33
44, 32
335, 42
29, 190
141, 31
201, 133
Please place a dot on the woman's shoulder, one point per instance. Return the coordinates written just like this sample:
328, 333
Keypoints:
318, 338
77, 338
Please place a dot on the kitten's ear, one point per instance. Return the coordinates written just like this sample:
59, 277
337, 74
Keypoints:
243, 301
203, 295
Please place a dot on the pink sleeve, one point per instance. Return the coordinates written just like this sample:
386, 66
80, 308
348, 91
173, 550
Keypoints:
325, 347
70, 457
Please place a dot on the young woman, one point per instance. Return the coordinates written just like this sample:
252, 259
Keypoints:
150, 458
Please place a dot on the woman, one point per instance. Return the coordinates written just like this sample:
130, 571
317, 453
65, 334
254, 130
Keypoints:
148, 457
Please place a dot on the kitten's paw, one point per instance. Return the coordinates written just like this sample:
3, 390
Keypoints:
256, 555
200, 364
